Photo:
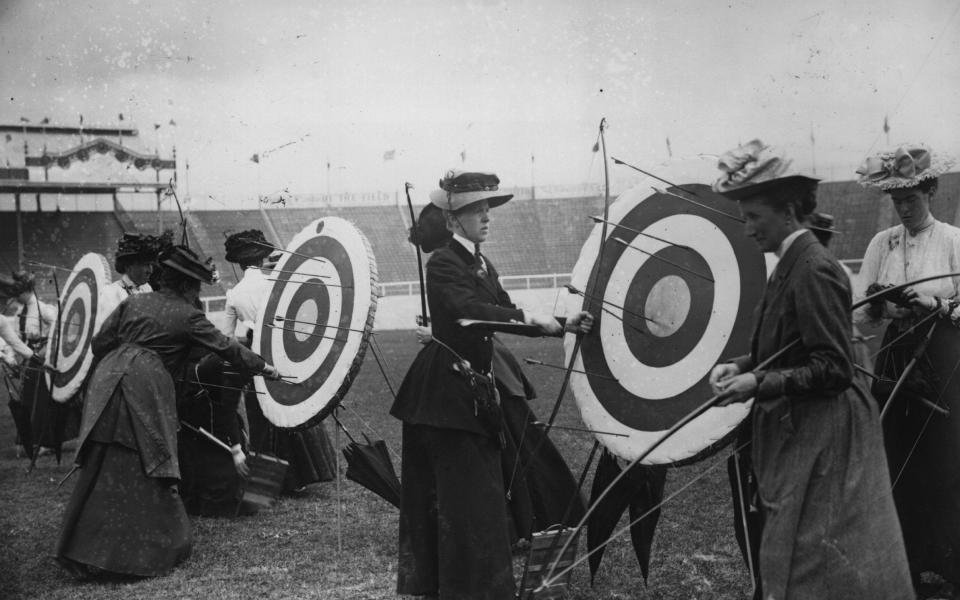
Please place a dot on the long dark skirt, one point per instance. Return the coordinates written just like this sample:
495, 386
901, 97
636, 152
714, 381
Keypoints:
540, 489
454, 538
923, 445
120, 521
209, 482
51, 422
309, 451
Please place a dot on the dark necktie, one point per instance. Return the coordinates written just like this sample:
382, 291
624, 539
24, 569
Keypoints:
481, 266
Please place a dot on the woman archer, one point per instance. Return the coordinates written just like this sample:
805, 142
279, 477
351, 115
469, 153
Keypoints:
922, 443
829, 526
125, 516
541, 491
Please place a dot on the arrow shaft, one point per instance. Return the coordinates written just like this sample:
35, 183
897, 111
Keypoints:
700, 204
643, 233
531, 361
669, 262
649, 174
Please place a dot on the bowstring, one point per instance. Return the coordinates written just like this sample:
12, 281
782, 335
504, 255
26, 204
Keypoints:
600, 143
916, 442
377, 355
546, 581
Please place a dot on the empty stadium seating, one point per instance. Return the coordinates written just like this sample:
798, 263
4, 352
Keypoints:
529, 237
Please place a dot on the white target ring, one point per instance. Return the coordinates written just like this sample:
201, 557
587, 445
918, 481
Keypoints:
316, 323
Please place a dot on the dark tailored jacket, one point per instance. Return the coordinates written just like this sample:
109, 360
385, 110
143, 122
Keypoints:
830, 528
432, 393
807, 298
170, 326
143, 346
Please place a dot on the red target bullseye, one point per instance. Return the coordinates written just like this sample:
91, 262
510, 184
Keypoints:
673, 308
82, 314
315, 325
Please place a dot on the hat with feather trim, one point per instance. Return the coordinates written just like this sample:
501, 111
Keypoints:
462, 188
753, 168
905, 167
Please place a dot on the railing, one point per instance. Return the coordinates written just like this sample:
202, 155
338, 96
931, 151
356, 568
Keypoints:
509, 282
214, 303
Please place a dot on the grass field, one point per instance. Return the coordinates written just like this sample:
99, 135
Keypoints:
306, 548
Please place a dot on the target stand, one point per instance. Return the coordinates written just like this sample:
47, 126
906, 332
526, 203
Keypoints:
689, 298
316, 324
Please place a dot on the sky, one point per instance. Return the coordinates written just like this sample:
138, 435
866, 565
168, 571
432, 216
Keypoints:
517, 87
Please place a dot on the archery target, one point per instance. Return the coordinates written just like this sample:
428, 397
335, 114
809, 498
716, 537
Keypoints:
316, 323
81, 314
672, 309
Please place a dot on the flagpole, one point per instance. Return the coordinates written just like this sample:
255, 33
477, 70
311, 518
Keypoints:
533, 185
813, 150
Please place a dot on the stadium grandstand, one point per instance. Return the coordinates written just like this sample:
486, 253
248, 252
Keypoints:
56, 206
535, 242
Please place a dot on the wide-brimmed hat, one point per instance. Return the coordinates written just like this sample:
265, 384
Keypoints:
904, 167
137, 247
185, 261
247, 246
461, 188
431, 229
753, 168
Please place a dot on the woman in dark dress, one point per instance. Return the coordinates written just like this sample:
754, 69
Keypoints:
211, 477
125, 515
453, 528
541, 491
829, 526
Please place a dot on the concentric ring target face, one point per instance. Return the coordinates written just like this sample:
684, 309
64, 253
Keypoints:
671, 310
82, 314
316, 323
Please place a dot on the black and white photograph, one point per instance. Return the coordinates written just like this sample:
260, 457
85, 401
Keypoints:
480, 300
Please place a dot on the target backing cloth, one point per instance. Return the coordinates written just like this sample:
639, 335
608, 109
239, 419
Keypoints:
315, 326
672, 308
82, 314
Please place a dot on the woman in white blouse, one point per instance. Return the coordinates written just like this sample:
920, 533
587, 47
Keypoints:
921, 441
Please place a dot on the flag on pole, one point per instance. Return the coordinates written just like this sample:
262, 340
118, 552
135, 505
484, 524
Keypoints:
390, 154
255, 158
24, 120
156, 126
120, 117
81, 120
45, 121
812, 139
531, 157
596, 146
463, 155
886, 125
669, 149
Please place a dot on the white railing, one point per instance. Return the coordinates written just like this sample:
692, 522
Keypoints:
509, 282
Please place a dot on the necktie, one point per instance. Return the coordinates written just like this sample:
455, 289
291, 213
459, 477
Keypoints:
481, 265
